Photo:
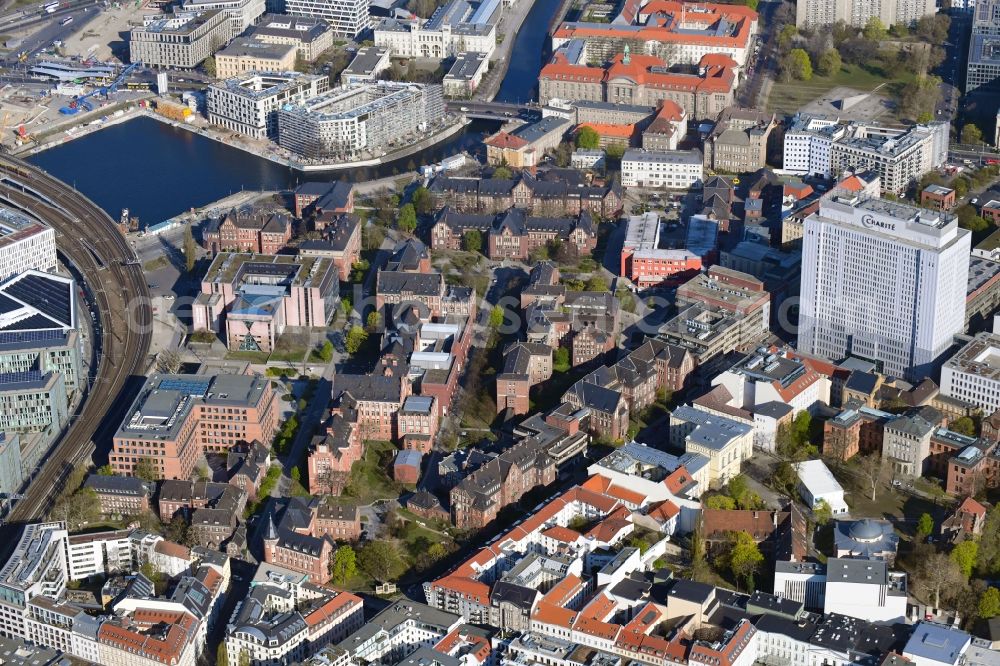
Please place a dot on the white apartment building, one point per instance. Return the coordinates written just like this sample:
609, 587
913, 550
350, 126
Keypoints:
25, 244
807, 145
347, 18
812, 13
667, 169
360, 119
897, 157
37, 567
249, 105
98, 553
453, 28
973, 374
882, 281
242, 13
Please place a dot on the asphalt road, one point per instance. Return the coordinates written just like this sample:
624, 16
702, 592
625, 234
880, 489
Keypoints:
89, 241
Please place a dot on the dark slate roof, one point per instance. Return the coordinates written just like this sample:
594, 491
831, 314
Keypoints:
595, 396
396, 282
692, 591
862, 382
366, 387
300, 543
117, 485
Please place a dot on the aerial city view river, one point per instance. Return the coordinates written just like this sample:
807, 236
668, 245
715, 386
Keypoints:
158, 171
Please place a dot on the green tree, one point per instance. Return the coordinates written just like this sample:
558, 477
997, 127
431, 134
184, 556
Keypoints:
190, 249
785, 37
373, 321
356, 338
971, 134
720, 502
344, 565
208, 64
822, 513
874, 30
379, 560
640, 543
177, 530
472, 240
496, 317
560, 359
597, 283
785, 479
422, 200
925, 526
964, 554
742, 557
588, 138
797, 65
296, 475
963, 426
105, 470
244, 658
407, 222
146, 470
502, 172
989, 603
326, 351
829, 63
988, 560
222, 655
969, 219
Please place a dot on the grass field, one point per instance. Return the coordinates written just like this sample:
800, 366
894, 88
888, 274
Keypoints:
791, 96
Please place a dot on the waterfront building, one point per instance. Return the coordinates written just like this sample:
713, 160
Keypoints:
363, 119
662, 169
347, 18
245, 55
25, 245
882, 281
242, 14
455, 27
522, 146
182, 39
857, 13
309, 35
677, 32
738, 142
249, 104
642, 80
466, 74
177, 418
252, 298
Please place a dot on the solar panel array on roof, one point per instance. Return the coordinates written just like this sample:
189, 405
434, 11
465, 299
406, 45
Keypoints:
35, 321
54, 298
8, 338
185, 386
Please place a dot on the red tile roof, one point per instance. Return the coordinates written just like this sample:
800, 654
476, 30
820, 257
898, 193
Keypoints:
506, 140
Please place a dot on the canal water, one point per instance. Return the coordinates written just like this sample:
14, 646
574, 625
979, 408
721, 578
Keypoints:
158, 171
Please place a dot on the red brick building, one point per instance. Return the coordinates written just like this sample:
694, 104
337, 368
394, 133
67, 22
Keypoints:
303, 553
334, 198
525, 364
332, 454
261, 232
338, 521
406, 467
513, 234
937, 197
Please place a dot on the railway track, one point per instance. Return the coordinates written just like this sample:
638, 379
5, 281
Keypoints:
90, 242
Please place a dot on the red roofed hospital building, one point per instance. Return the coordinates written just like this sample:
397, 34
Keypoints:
683, 32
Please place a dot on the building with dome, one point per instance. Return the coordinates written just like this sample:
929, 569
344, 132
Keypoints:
867, 539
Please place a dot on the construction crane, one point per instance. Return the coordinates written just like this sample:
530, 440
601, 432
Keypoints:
82, 100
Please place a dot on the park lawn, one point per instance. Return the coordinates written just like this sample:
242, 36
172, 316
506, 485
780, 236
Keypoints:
789, 97
369, 479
